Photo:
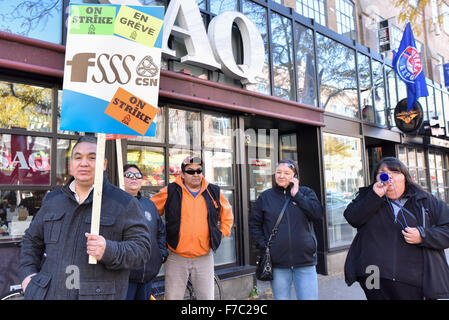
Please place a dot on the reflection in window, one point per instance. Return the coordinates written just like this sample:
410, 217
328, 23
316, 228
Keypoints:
17, 209
150, 161
63, 157
344, 175
219, 6
258, 15
336, 75
184, 128
392, 96
218, 168
345, 19
59, 114
217, 131
282, 53
25, 106
379, 92
366, 97
439, 107
430, 102
24, 160
288, 147
313, 9
226, 252
35, 19
305, 60
160, 129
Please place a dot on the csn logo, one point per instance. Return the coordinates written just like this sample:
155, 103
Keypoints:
112, 69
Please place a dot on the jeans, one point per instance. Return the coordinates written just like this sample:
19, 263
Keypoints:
304, 278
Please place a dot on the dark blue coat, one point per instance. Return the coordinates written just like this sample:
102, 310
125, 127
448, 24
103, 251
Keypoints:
159, 251
295, 244
59, 228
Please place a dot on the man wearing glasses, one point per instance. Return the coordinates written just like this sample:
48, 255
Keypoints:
197, 217
140, 287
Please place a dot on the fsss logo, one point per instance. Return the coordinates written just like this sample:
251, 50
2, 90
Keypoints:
409, 64
113, 68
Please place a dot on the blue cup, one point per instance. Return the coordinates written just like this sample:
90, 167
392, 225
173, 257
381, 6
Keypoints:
384, 177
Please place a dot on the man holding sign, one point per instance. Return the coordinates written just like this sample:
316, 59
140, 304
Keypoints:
61, 230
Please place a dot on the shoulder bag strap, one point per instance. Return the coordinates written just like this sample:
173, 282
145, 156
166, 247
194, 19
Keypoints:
275, 229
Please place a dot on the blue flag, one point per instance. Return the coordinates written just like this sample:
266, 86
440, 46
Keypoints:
408, 66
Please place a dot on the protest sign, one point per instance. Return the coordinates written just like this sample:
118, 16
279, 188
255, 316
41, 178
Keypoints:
111, 78
111, 49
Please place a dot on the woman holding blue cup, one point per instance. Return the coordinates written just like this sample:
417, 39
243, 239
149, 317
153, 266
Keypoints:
402, 231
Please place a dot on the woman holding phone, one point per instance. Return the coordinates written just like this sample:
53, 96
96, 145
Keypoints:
294, 248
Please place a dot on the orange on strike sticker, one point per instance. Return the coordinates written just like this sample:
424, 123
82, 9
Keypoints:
131, 111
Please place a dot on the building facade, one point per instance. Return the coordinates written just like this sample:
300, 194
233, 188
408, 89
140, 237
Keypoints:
326, 99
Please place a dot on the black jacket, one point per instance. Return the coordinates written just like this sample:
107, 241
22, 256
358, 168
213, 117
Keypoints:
379, 240
173, 214
59, 228
295, 243
159, 251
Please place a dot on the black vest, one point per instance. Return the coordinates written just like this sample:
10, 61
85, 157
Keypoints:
173, 214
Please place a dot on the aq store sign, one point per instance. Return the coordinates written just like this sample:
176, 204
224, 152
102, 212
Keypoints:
212, 49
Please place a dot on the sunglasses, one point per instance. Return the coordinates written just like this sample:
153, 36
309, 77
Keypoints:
192, 172
136, 175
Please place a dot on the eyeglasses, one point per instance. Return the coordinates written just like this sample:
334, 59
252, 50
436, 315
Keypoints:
192, 172
131, 175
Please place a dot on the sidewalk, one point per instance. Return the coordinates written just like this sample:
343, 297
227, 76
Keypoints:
331, 287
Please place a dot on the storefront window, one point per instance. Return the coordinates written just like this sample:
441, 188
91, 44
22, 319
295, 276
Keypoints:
439, 108
336, 71
151, 161
219, 6
305, 65
258, 15
366, 97
160, 129
63, 157
218, 168
438, 173
446, 112
35, 19
288, 148
392, 97
25, 160
17, 210
431, 103
217, 132
184, 128
422, 171
379, 92
282, 53
226, 254
344, 176
414, 159
59, 114
25, 106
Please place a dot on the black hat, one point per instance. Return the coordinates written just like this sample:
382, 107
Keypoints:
190, 160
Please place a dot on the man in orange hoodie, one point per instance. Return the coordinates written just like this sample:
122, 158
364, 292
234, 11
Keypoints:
197, 217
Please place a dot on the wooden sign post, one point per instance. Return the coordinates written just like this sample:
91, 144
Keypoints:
98, 189
121, 179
